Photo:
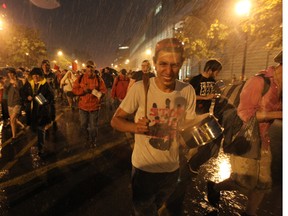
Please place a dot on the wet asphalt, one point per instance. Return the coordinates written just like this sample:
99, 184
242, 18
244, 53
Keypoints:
74, 179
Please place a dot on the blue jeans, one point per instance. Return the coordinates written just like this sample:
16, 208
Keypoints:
150, 190
89, 124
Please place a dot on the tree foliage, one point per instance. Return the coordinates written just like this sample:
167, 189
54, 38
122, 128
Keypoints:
265, 21
201, 41
205, 40
22, 47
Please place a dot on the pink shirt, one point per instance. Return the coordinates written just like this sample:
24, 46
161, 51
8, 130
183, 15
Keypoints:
251, 101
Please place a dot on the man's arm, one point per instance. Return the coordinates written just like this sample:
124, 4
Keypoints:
267, 116
206, 97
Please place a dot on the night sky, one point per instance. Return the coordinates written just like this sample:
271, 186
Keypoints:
93, 26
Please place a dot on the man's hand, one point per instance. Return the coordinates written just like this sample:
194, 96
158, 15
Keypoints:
142, 126
210, 96
88, 91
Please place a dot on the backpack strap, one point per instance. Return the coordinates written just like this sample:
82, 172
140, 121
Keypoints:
98, 79
80, 78
267, 83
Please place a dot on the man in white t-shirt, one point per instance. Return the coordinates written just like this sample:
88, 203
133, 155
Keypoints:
155, 156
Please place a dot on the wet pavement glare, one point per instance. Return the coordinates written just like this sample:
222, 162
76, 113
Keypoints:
75, 180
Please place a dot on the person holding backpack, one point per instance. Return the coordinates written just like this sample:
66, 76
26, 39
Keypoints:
253, 176
119, 88
90, 88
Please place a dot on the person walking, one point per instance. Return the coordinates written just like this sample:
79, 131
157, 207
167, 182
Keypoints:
90, 88
12, 87
108, 78
40, 95
120, 87
161, 103
253, 176
145, 69
51, 79
66, 84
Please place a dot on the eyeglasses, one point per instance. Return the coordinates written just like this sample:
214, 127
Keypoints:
89, 66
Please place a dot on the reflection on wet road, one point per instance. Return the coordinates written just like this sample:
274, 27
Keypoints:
76, 180
233, 202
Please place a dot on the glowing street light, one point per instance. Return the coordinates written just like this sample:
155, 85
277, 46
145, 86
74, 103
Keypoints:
1, 24
60, 53
123, 47
242, 8
148, 52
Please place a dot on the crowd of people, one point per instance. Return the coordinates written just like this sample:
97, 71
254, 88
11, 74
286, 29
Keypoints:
33, 93
160, 104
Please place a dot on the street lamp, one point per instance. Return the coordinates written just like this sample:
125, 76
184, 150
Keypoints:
243, 8
60, 53
1, 25
148, 52
127, 61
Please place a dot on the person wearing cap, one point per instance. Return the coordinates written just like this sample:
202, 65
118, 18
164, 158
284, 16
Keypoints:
155, 157
252, 176
12, 87
51, 79
90, 88
40, 112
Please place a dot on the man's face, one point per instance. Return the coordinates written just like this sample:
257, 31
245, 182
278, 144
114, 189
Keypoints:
89, 70
45, 67
36, 78
215, 74
145, 67
168, 65
11, 75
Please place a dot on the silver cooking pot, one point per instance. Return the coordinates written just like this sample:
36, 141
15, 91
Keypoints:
202, 130
40, 99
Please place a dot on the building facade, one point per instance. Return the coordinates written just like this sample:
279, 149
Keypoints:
167, 15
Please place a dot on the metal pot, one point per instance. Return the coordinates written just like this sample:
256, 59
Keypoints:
40, 99
202, 130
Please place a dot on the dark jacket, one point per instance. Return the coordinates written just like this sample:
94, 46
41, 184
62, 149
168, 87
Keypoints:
137, 76
40, 113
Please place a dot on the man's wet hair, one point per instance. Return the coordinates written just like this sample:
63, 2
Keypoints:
169, 45
213, 65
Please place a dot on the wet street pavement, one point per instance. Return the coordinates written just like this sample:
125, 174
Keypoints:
74, 179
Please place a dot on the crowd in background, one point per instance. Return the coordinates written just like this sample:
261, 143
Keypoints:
60, 82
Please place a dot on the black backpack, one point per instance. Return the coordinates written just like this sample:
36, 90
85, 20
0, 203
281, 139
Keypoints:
225, 110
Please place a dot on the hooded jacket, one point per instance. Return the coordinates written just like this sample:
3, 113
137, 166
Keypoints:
83, 87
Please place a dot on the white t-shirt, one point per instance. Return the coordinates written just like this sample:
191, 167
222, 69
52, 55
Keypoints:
158, 151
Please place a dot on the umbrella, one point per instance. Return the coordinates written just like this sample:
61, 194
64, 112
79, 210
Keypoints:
46, 4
